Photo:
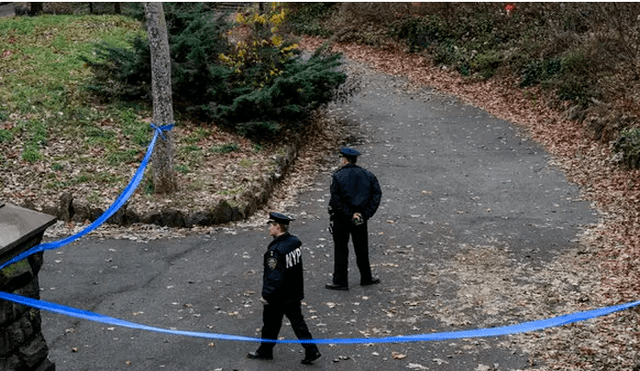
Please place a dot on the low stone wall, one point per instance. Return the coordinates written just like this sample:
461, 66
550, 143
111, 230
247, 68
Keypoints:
22, 346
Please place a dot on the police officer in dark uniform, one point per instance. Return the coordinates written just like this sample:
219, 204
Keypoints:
355, 197
283, 290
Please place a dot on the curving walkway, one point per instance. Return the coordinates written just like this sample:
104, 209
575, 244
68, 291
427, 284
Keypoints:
473, 220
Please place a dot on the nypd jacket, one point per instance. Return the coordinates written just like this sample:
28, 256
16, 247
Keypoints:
283, 279
354, 190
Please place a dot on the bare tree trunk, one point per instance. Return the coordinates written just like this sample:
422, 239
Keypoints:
164, 178
116, 8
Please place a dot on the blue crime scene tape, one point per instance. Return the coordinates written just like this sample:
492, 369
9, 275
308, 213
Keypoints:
484, 332
128, 191
124, 196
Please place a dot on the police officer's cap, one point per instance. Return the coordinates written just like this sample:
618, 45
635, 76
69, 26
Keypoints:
349, 152
280, 218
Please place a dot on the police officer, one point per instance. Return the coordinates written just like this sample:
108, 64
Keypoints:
283, 290
355, 197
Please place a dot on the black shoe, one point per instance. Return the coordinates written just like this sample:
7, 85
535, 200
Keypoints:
309, 357
333, 286
259, 355
374, 281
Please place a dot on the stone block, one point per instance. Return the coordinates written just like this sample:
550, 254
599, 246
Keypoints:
119, 216
26, 327
223, 213
65, 211
173, 218
11, 337
15, 275
30, 290
46, 365
36, 260
34, 352
10, 363
80, 211
152, 217
198, 218
7, 313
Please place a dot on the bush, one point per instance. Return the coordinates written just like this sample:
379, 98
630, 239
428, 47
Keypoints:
260, 131
121, 73
487, 63
627, 147
418, 33
306, 18
255, 80
570, 76
196, 38
535, 72
301, 87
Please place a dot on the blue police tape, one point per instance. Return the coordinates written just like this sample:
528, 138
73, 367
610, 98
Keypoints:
124, 196
128, 191
485, 332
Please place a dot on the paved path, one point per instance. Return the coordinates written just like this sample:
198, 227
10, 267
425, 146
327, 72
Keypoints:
471, 213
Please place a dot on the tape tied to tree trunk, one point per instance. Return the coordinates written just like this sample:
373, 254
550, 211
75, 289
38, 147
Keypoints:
117, 204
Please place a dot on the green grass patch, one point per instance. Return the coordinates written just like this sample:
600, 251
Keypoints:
45, 51
225, 148
137, 130
197, 135
31, 154
182, 168
126, 156
96, 135
5, 136
36, 136
247, 163
43, 78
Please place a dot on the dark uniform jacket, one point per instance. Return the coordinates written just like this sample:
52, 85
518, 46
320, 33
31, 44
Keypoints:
283, 279
354, 190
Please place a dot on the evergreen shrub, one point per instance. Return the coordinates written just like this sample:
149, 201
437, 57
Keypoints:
247, 75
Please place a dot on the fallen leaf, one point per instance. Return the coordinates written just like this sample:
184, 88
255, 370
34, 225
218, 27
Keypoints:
416, 366
396, 355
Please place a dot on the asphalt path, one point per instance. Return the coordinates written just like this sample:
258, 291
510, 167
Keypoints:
457, 184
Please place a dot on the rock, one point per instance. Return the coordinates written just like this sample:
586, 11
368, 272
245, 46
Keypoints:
80, 211
65, 210
35, 352
172, 218
202, 218
119, 216
152, 217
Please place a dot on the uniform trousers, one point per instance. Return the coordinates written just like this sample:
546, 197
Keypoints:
342, 229
272, 322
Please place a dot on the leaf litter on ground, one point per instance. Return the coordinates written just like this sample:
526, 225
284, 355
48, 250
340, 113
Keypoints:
603, 271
